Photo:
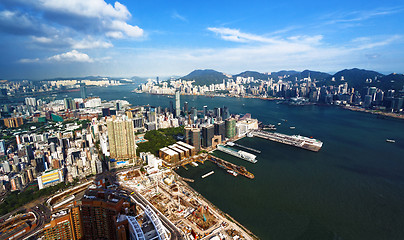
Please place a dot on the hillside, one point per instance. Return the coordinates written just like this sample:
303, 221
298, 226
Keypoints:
391, 81
355, 77
205, 77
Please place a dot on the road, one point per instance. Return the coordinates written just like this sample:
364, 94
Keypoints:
175, 234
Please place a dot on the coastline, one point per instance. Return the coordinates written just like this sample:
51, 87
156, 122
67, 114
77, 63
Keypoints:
375, 112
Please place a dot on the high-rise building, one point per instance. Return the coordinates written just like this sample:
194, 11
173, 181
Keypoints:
230, 125
99, 211
186, 108
64, 225
121, 137
177, 104
13, 122
188, 132
69, 103
2, 147
106, 112
83, 91
220, 129
207, 134
196, 138
205, 111
30, 102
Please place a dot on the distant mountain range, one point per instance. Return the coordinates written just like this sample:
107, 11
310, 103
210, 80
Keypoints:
356, 78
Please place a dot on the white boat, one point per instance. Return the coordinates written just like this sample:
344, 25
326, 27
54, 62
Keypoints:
292, 127
390, 140
232, 172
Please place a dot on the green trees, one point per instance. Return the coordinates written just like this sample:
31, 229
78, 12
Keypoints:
159, 139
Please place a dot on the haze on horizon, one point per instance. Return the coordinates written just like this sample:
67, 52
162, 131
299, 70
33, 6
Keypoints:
50, 38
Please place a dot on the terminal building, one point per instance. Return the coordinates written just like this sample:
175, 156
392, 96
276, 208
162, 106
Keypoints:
50, 178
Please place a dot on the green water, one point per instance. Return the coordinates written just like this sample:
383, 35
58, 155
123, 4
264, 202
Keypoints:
352, 189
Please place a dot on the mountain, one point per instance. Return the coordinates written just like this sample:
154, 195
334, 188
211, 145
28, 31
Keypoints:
391, 81
205, 77
356, 78
314, 75
255, 75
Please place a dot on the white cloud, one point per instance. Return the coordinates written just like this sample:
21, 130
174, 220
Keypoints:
72, 56
29, 60
122, 27
176, 15
90, 43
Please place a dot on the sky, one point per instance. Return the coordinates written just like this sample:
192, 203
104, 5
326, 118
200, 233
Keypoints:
42, 39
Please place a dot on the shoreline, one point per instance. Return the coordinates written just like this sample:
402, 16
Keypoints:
352, 108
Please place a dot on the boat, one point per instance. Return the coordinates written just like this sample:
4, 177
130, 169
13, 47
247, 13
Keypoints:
208, 174
232, 172
390, 140
279, 124
292, 127
230, 143
249, 135
194, 164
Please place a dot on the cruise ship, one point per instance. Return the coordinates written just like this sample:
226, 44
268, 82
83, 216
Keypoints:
294, 140
238, 153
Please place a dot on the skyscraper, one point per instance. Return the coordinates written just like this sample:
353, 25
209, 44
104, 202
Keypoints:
230, 128
83, 91
177, 104
186, 108
121, 137
196, 138
2, 147
207, 135
220, 129
69, 104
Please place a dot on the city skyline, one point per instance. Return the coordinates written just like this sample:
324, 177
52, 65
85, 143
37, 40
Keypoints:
45, 39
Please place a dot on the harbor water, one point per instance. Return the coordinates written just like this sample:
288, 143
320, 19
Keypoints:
353, 188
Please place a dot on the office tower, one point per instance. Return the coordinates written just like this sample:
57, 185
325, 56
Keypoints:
106, 112
188, 132
2, 147
121, 138
69, 103
217, 113
138, 122
64, 225
171, 107
225, 113
13, 122
205, 111
220, 129
30, 102
99, 211
177, 104
83, 91
207, 135
196, 138
118, 106
230, 125
185, 108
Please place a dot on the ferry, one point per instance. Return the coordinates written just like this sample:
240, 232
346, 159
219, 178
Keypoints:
232, 173
390, 140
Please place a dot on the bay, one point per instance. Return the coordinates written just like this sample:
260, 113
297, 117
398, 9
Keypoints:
352, 189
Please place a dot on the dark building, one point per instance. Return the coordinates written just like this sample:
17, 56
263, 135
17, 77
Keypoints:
138, 122
207, 134
230, 125
220, 129
83, 91
106, 112
99, 211
185, 108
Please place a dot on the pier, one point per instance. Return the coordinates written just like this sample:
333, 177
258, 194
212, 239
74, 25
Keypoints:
230, 166
294, 140
241, 146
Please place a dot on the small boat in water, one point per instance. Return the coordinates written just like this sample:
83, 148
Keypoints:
390, 140
232, 172
292, 127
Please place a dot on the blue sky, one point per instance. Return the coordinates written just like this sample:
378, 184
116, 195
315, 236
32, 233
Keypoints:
54, 38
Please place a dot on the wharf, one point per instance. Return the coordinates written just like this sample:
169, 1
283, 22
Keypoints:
230, 166
248, 148
295, 140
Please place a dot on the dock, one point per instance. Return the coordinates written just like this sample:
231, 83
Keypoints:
241, 146
293, 140
230, 166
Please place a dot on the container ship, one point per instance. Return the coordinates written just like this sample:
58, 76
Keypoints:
237, 153
293, 140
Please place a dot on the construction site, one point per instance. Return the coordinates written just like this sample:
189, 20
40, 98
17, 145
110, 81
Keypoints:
193, 215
